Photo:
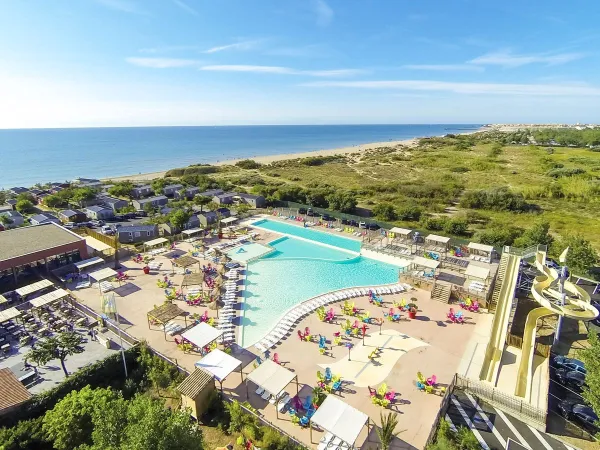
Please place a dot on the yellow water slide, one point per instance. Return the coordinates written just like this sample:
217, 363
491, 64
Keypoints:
495, 347
546, 293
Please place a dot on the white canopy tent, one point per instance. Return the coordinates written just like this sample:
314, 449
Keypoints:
480, 273
88, 263
220, 365
189, 233
229, 220
155, 242
480, 247
273, 378
103, 274
435, 240
48, 298
9, 314
34, 287
340, 419
425, 262
404, 232
202, 335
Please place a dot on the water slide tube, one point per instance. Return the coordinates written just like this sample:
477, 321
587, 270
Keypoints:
545, 291
495, 347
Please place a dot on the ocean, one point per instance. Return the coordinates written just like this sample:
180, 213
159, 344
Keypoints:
30, 156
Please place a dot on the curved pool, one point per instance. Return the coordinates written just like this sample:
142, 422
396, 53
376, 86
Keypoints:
296, 271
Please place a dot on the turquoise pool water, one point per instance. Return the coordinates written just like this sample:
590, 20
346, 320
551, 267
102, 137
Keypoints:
308, 233
299, 270
248, 251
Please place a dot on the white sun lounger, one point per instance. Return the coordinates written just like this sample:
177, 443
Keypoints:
260, 348
265, 396
260, 391
283, 402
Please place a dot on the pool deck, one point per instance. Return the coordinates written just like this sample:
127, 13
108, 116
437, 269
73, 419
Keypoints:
428, 344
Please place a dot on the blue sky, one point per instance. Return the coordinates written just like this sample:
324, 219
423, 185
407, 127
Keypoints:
215, 62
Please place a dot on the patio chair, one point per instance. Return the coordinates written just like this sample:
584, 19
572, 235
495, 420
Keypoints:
307, 403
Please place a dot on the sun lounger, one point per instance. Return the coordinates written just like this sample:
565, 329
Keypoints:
260, 348
265, 396
283, 402
260, 391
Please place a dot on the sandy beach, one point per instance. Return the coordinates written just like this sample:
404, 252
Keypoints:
269, 159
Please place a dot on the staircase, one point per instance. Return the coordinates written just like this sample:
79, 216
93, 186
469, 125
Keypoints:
499, 281
441, 293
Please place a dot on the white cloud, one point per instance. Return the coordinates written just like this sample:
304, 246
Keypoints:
278, 70
169, 49
506, 58
186, 7
444, 67
244, 45
323, 11
127, 6
163, 63
468, 88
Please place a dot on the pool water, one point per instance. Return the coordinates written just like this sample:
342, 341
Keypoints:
308, 233
297, 271
248, 251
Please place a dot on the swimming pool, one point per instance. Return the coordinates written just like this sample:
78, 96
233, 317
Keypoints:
310, 234
248, 251
296, 271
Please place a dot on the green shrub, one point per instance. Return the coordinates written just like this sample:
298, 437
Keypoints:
385, 211
434, 223
457, 226
498, 199
409, 212
499, 235
459, 169
248, 164
565, 172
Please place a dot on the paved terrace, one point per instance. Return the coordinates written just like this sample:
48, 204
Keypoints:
428, 344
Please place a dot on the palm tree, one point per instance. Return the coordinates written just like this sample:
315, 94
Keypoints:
387, 431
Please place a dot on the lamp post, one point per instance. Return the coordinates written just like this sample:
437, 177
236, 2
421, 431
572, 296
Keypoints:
109, 305
348, 346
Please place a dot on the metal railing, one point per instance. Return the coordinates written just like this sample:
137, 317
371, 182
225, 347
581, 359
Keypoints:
441, 414
511, 404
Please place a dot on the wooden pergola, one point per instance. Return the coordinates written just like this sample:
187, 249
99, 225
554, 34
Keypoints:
193, 279
165, 313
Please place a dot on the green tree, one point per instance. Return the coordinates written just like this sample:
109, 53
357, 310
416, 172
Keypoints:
158, 185
582, 257
3, 196
57, 347
121, 189
179, 218
26, 196
26, 435
342, 201
201, 201
457, 226
410, 212
536, 235
127, 209
24, 206
387, 433
385, 211
149, 209
82, 194
591, 358
242, 209
53, 201
5, 220
239, 419
150, 426
212, 206
70, 423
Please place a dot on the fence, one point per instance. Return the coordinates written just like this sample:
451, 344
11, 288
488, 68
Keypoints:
517, 342
511, 404
441, 412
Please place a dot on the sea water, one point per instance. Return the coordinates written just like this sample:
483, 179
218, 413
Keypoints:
32, 156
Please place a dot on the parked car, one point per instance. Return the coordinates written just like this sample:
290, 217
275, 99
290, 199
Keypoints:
569, 363
327, 217
70, 225
345, 222
119, 217
301, 210
141, 213
106, 229
354, 223
571, 378
373, 227
309, 212
362, 225
97, 223
582, 414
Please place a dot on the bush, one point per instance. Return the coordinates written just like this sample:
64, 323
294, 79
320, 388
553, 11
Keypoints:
410, 212
495, 151
457, 226
498, 235
342, 201
318, 160
459, 169
26, 435
565, 172
434, 223
24, 206
248, 164
498, 199
385, 211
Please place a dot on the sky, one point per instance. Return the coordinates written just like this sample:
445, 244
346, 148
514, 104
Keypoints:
93, 63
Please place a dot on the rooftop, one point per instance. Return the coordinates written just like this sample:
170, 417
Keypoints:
150, 199
195, 383
134, 228
12, 391
96, 208
25, 240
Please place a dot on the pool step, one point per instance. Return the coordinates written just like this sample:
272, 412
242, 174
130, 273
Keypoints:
441, 293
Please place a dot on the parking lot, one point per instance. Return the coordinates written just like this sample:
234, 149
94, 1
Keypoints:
493, 428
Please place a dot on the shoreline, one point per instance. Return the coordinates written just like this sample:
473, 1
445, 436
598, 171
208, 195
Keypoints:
280, 157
